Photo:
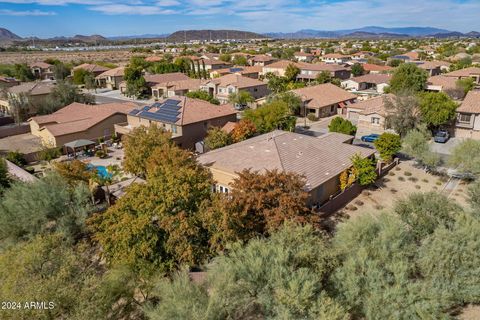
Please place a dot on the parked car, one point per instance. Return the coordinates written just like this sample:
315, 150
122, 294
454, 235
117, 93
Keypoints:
370, 138
441, 136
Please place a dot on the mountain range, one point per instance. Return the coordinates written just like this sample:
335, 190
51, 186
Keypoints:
372, 32
369, 32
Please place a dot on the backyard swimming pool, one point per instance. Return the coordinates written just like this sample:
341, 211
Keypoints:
101, 170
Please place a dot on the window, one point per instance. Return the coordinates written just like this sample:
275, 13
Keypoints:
255, 90
174, 128
466, 118
375, 120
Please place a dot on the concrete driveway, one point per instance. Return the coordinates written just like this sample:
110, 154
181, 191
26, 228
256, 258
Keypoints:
111, 96
447, 147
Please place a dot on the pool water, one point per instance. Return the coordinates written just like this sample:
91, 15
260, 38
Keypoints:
101, 170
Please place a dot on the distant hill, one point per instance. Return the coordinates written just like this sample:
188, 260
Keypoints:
370, 32
8, 35
92, 38
206, 35
370, 35
140, 36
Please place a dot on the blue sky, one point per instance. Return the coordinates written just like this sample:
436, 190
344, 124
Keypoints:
47, 18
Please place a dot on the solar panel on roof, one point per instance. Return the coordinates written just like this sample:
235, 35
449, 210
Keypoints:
134, 112
146, 108
172, 102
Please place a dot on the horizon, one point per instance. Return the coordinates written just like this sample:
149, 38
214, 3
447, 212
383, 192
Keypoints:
44, 18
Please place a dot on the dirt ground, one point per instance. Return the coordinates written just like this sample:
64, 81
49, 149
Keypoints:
470, 312
119, 57
398, 184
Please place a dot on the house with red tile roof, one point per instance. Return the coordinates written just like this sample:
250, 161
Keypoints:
42, 70
92, 68
187, 119
222, 87
368, 84
324, 100
319, 159
375, 68
79, 121
110, 79
471, 72
337, 58
303, 56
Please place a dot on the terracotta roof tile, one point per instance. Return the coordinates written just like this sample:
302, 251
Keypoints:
471, 103
323, 95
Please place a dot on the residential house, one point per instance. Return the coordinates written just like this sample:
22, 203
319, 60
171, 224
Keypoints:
209, 64
95, 69
79, 121
176, 88
337, 58
468, 117
158, 81
361, 55
187, 119
441, 83
222, 87
111, 79
375, 68
246, 71
472, 72
406, 57
369, 115
37, 93
310, 71
324, 100
42, 70
261, 60
369, 83
303, 56
320, 160
278, 68
431, 67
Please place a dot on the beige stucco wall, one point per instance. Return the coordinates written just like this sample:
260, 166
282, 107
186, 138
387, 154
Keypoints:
103, 129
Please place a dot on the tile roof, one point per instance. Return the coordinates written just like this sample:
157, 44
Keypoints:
467, 72
237, 81
91, 67
321, 67
33, 88
445, 82
115, 72
317, 158
374, 105
374, 67
262, 58
40, 64
78, 117
471, 103
229, 126
188, 84
323, 95
189, 111
377, 78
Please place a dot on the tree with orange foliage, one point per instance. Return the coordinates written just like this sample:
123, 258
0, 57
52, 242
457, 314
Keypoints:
258, 204
243, 130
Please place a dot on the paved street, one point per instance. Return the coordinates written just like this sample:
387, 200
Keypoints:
110, 96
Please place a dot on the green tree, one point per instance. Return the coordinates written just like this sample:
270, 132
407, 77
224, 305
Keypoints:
291, 72
271, 116
465, 157
415, 144
423, 213
449, 260
257, 204
202, 95
388, 144
106, 180
402, 113
357, 70
241, 98
60, 71
5, 180
139, 145
239, 60
46, 205
465, 85
363, 170
275, 83
474, 196
293, 101
62, 95
23, 72
17, 158
156, 225
19, 107
217, 138
225, 57
408, 77
437, 108
323, 77
79, 76
338, 124
282, 277
375, 277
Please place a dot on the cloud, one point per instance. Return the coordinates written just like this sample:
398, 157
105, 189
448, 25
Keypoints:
117, 9
168, 3
6, 12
